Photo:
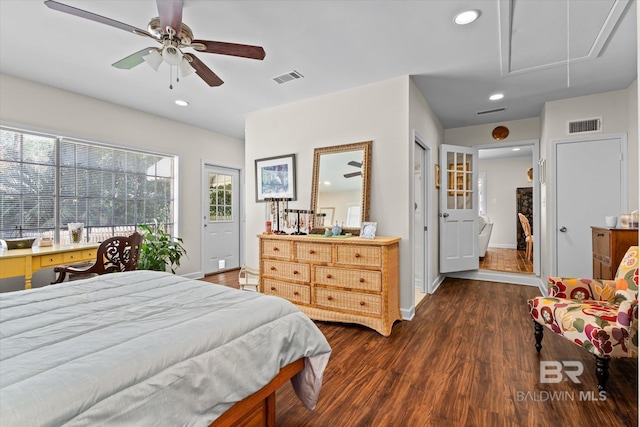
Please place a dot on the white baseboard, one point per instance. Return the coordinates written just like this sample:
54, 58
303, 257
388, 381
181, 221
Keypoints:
494, 276
408, 314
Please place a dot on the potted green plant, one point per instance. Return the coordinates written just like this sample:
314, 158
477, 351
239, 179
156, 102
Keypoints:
159, 249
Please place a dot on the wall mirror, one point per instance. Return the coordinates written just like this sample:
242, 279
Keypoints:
340, 185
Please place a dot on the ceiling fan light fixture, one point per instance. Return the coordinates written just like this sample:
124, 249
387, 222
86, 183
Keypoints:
171, 55
181, 103
154, 59
496, 96
185, 68
466, 17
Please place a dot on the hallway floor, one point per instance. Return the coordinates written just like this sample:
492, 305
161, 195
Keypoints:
509, 260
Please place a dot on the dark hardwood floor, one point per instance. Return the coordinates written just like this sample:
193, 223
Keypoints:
466, 359
509, 260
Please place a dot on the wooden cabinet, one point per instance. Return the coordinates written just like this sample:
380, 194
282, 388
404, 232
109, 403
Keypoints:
609, 246
336, 279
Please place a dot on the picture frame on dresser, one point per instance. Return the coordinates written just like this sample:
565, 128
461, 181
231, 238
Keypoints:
276, 177
368, 230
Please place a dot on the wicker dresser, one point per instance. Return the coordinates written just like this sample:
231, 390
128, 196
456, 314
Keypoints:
337, 279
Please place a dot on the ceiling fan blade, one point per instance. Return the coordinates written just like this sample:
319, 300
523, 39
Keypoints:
354, 163
170, 12
203, 71
232, 49
132, 60
352, 174
94, 17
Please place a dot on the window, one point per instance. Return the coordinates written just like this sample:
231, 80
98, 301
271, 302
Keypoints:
47, 182
220, 196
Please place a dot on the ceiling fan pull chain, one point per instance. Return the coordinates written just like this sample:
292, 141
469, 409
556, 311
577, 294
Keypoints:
170, 77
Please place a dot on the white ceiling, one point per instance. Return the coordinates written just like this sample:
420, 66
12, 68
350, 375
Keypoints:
518, 47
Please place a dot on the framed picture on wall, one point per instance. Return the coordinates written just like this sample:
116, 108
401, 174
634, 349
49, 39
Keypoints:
276, 177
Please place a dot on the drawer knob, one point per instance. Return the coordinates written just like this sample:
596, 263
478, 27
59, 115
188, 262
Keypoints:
295, 271
362, 280
600, 234
273, 288
52, 259
311, 251
296, 293
361, 302
328, 276
72, 256
357, 255
273, 268
276, 249
329, 297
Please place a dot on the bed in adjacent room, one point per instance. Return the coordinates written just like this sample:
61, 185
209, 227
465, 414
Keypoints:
150, 348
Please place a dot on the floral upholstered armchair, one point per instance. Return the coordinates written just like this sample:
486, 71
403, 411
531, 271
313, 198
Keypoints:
601, 316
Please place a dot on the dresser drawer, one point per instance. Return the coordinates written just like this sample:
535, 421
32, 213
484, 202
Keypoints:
90, 254
276, 249
52, 259
601, 243
346, 278
13, 267
314, 252
290, 291
74, 256
349, 301
287, 270
360, 255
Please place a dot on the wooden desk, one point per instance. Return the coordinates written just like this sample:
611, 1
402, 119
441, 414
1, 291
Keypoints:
24, 262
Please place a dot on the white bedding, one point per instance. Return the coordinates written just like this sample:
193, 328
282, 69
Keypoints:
146, 348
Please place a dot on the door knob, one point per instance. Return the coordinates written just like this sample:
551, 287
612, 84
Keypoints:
563, 229
445, 215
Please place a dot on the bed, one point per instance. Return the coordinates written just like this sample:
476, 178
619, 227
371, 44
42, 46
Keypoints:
151, 348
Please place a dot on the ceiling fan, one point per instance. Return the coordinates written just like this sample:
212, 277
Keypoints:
174, 36
354, 174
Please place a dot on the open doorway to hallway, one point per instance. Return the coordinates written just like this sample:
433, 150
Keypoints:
506, 190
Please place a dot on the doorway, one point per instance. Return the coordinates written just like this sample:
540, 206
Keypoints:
421, 197
589, 183
221, 219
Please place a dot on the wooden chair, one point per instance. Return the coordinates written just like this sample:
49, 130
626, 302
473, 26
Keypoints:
119, 253
526, 228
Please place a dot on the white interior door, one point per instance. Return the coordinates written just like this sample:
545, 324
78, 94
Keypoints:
458, 209
221, 226
590, 184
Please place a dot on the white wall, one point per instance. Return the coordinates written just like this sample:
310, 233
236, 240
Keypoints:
35, 106
504, 176
376, 112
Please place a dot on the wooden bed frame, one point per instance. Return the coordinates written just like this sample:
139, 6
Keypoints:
259, 409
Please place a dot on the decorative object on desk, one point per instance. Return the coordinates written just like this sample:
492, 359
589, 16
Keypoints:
499, 133
45, 241
276, 178
76, 231
336, 230
625, 219
633, 222
159, 249
368, 230
267, 226
611, 221
277, 208
327, 232
20, 243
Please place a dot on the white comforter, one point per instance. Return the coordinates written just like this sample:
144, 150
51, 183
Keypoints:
146, 348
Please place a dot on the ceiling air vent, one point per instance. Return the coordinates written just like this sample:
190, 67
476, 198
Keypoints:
585, 126
497, 110
294, 75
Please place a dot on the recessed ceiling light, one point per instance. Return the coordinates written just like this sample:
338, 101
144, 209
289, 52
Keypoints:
181, 103
327, 183
467, 17
515, 149
496, 96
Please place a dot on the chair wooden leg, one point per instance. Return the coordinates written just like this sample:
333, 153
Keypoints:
602, 372
538, 333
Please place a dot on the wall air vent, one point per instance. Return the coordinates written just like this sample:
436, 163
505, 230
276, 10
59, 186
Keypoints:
497, 110
585, 126
294, 75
